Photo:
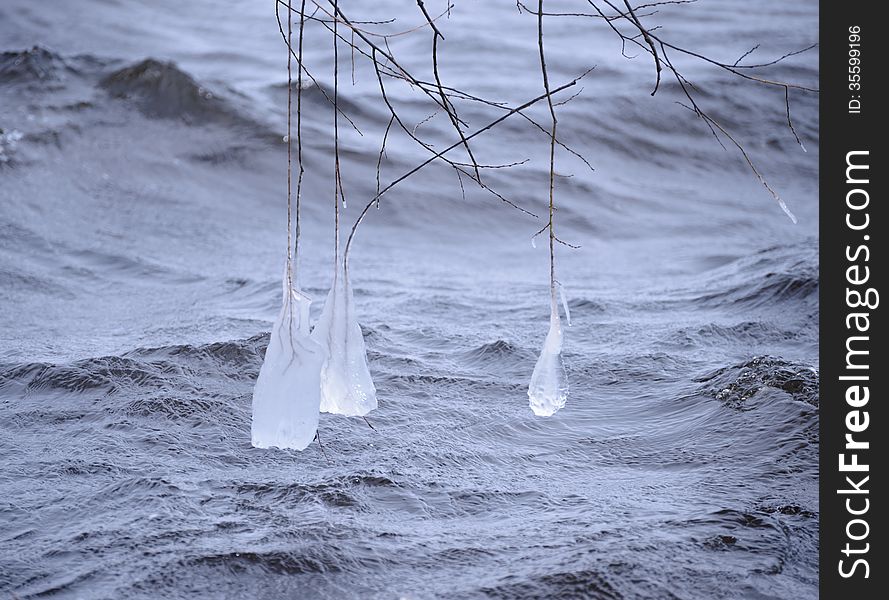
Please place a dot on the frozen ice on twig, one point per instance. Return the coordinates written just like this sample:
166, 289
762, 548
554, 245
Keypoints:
346, 385
287, 393
548, 391
564, 298
787, 211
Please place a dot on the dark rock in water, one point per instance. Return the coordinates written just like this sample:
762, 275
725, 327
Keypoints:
735, 385
36, 64
161, 89
789, 510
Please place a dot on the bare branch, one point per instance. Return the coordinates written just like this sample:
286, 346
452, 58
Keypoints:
428, 161
552, 153
649, 41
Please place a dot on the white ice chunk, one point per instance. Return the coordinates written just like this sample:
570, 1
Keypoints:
346, 385
287, 395
549, 382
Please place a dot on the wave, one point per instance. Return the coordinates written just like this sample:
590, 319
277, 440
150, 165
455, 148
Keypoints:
106, 373
145, 368
36, 64
344, 491
280, 562
769, 278
768, 289
494, 352
158, 89
234, 353
319, 98
564, 584
161, 89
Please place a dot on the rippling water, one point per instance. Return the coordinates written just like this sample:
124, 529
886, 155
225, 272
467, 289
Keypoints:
141, 238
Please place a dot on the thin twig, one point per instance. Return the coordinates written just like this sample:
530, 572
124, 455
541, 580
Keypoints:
649, 41
290, 250
299, 138
382, 152
428, 161
552, 153
446, 103
321, 447
300, 61
338, 182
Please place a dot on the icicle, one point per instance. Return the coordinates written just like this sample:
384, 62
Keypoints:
564, 298
533, 243
549, 382
346, 384
786, 210
287, 393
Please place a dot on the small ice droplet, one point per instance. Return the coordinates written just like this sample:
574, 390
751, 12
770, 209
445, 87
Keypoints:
533, 243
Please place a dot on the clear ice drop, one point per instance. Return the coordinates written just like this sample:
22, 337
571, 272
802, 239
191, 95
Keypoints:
287, 396
549, 382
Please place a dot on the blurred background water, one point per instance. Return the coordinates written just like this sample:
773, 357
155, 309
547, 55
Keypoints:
142, 236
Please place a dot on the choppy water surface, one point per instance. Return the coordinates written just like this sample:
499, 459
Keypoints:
141, 242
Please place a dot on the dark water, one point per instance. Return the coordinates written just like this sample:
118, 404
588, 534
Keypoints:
141, 242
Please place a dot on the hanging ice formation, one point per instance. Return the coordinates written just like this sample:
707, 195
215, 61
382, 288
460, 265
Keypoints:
346, 385
548, 391
287, 393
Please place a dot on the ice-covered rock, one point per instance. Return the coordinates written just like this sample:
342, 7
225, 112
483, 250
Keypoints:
287, 395
549, 382
346, 384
